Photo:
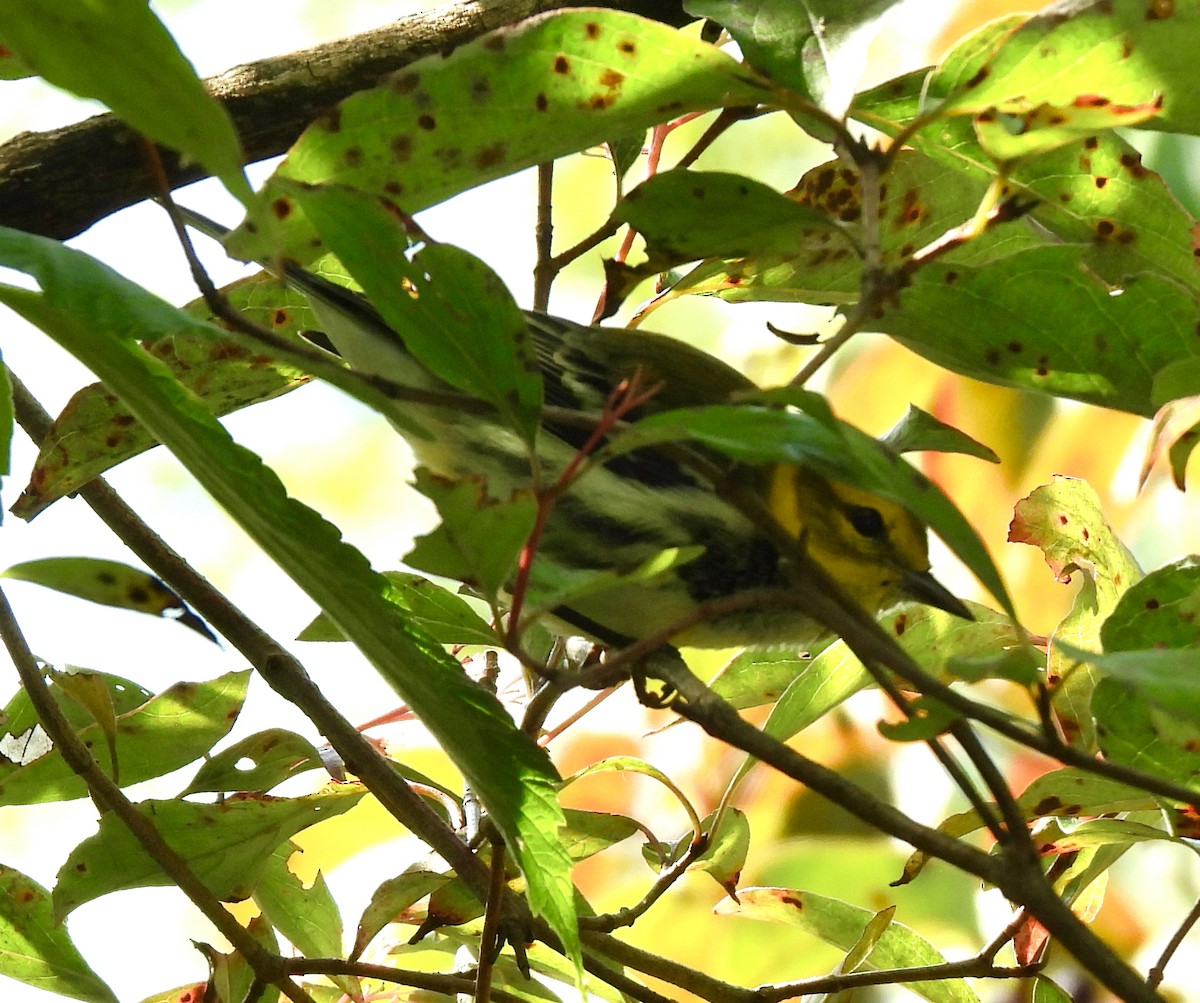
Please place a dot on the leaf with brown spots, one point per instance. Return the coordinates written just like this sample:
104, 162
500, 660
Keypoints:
95, 431
226, 845
555, 84
1109, 50
37, 950
1065, 793
688, 215
1132, 730
920, 199
1039, 319
1165, 677
1065, 520
256, 763
1011, 136
109, 583
1160, 611
155, 736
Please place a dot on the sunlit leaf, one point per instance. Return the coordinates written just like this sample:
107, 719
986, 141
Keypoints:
256, 763
226, 845
537, 90
36, 949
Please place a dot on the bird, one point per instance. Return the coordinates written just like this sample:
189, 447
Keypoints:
635, 507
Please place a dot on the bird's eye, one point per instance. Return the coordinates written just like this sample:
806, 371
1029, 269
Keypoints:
866, 520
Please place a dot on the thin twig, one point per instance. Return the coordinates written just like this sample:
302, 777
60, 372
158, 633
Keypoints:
1156, 974
628, 916
544, 271
448, 984
952, 767
489, 936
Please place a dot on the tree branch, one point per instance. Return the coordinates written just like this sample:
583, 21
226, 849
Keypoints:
60, 182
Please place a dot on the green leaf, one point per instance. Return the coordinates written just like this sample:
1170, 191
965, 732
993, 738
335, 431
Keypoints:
1165, 677
687, 215
98, 315
256, 763
95, 431
109, 583
389, 902
754, 677
36, 949
1130, 730
1118, 49
631, 764
818, 48
1048, 991
444, 616
230, 976
162, 734
1021, 665
930, 636
919, 430
307, 917
118, 52
1065, 520
546, 87
590, 832
226, 845
447, 307
930, 718
479, 538
866, 942
552, 585
724, 855
1157, 612
842, 924
1067, 837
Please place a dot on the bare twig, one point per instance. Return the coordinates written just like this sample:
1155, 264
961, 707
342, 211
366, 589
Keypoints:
1157, 973
628, 916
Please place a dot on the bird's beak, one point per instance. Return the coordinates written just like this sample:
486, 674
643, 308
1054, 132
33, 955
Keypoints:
923, 587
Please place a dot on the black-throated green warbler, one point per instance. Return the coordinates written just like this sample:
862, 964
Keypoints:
624, 513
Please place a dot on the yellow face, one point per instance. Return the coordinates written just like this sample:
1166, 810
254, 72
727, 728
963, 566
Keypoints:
865, 542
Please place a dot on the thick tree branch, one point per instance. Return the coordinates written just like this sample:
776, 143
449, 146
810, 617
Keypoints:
58, 183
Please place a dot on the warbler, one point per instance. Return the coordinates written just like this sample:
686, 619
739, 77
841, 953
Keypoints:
636, 507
